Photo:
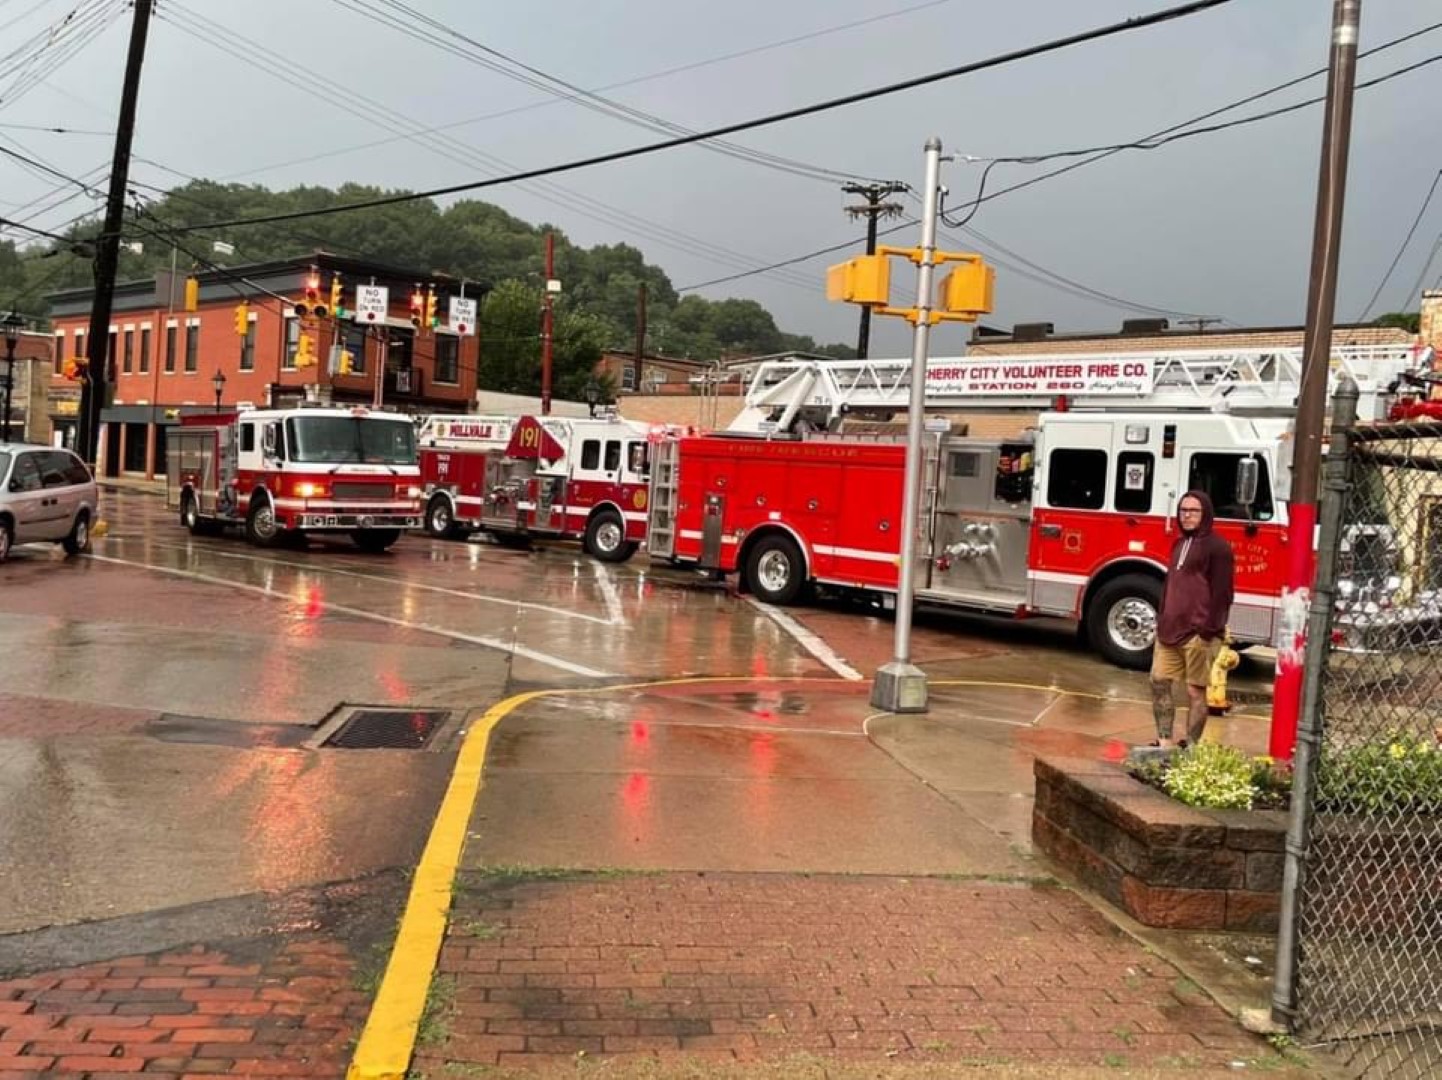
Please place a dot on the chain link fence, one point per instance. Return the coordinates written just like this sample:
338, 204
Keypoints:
1368, 896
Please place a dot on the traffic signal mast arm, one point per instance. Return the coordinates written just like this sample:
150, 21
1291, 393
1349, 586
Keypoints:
1255, 381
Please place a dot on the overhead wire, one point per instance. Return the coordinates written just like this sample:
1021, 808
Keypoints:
998, 60
1405, 241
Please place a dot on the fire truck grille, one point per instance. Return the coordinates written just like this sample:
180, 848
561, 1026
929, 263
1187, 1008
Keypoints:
362, 492
387, 729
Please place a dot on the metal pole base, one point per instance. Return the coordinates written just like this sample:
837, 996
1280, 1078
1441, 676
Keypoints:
899, 688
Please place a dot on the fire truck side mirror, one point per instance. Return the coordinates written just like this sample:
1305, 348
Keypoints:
1248, 473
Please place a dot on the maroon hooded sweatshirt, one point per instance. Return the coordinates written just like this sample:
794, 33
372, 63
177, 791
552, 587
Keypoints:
1198, 594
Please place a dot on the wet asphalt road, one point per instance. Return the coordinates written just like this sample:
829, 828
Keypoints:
160, 702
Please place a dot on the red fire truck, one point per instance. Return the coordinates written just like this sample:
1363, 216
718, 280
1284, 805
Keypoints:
529, 476
1073, 518
285, 473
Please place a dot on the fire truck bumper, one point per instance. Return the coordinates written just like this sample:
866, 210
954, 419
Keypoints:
370, 520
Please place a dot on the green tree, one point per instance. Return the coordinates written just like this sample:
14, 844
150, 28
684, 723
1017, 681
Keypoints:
1410, 321
511, 342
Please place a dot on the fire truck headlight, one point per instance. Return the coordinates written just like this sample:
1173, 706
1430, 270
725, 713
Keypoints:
414, 492
307, 489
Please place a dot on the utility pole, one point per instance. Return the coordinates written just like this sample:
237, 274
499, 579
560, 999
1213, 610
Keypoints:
1200, 324
552, 286
107, 251
640, 332
1316, 354
872, 209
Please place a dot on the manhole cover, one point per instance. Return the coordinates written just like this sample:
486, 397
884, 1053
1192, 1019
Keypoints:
387, 729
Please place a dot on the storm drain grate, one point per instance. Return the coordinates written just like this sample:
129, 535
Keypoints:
387, 729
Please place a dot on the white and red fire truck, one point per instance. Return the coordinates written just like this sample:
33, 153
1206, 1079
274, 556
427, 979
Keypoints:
284, 473
531, 476
1074, 518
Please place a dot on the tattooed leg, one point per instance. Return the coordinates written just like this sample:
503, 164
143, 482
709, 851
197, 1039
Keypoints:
1196, 712
1163, 710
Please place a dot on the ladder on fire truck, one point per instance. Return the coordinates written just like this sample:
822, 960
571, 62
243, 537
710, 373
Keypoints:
1250, 381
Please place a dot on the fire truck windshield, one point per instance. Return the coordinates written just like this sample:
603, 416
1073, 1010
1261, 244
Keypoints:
336, 439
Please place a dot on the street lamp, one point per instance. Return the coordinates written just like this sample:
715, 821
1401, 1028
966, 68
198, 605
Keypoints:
592, 394
218, 381
12, 324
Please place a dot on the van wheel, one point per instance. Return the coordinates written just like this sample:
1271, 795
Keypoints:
260, 524
375, 540
606, 538
775, 571
1121, 620
79, 539
7, 538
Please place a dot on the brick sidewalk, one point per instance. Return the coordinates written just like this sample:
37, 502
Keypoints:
285, 1009
737, 968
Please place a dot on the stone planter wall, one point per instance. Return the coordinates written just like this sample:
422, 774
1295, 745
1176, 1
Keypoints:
1164, 863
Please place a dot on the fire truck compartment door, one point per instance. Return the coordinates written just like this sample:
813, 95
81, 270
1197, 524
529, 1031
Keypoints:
713, 517
550, 512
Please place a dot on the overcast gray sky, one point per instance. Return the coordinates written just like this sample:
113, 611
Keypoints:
1218, 226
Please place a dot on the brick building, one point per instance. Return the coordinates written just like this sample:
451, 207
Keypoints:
29, 375
165, 361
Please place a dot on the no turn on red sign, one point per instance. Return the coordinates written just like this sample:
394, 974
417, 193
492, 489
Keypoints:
463, 315
371, 304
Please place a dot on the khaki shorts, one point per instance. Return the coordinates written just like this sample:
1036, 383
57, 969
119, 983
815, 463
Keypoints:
1191, 660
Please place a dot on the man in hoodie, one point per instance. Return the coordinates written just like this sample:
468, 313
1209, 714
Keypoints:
1196, 602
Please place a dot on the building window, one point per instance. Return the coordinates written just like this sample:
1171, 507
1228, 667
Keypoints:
355, 344
60, 352
628, 377
1078, 479
448, 359
129, 351
292, 343
402, 344
80, 345
112, 353
247, 347
144, 350
172, 331
192, 346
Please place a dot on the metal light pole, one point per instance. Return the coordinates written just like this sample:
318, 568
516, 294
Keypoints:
13, 323
900, 686
1316, 355
218, 381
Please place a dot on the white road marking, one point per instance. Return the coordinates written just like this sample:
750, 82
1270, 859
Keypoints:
322, 569
609, 593
439, 631
807, 640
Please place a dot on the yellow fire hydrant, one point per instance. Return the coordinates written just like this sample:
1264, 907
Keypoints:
1227, 658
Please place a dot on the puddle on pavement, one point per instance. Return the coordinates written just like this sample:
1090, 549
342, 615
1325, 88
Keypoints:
236, 734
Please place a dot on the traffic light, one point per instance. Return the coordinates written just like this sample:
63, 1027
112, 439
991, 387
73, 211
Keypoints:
347, 362
418, 308
311, 305
335, 297
305, 352
431, 309
242, 318
865, 279
192, 293
75, 368
968, 290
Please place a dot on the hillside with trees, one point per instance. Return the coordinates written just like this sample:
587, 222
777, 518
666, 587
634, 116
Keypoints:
470, 238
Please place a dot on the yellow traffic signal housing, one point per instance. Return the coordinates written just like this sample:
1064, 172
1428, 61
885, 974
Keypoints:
430, 308
863, 280
305, 352
335, 297
968, 290
192, 293
347, 362
242, 319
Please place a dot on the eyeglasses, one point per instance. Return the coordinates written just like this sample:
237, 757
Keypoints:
1191, 510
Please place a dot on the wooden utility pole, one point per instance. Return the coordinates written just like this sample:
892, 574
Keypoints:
107, 248
640, 332
872, 209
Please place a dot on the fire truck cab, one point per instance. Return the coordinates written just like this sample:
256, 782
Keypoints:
286, 473
532, 476
1074, 517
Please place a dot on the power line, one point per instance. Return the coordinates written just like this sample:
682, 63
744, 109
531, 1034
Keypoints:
1406, 240
999, 60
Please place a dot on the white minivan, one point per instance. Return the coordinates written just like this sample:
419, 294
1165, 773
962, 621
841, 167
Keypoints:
46, 495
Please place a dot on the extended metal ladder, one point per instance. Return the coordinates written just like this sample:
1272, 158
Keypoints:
1222, 380
661, 523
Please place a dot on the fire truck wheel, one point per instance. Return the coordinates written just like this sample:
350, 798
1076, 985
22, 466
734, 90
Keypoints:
1121, 621
190, 515
260, 525
440, 521
775, 572
375, 540
606, 538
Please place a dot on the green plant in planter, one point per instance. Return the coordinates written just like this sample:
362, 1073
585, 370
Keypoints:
1401, 774
1212, 775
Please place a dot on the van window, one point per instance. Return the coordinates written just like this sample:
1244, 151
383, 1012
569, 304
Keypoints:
591, 454
1216, 474
53, 467
1133, 494
75, 470
1077, 479
27, 473
613, 454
